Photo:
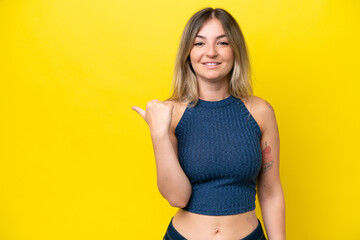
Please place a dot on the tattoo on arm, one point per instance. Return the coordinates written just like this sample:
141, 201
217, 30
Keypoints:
267, 160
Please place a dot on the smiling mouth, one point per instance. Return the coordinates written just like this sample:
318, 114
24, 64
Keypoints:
211, 63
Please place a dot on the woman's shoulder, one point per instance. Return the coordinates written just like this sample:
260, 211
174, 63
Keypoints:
258, 104
260, 109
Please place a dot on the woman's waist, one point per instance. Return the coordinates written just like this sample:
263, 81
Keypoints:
242, 222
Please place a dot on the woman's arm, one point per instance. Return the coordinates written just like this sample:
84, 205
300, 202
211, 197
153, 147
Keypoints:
269, 188
172, 182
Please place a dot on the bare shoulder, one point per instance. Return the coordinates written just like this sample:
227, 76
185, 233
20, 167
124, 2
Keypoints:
260, 109
259, 104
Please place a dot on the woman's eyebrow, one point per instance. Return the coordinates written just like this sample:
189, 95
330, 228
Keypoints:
220, 36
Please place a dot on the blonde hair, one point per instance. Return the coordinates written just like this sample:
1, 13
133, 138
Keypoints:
184, 85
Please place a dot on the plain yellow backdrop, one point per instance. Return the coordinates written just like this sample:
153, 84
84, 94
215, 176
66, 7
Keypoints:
77, 162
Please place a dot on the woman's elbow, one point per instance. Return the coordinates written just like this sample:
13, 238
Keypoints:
179, 198
178, 202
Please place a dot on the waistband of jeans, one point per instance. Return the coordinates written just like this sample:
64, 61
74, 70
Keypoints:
256, 234
173, 232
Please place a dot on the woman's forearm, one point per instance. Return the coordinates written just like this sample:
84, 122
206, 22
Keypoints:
172, 182
273, 214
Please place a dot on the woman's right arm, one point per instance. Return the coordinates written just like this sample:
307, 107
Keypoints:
172, 182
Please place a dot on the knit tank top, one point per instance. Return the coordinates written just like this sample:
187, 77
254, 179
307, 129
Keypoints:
219, 151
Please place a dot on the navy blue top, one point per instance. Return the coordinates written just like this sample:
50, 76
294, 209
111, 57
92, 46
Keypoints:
219, 151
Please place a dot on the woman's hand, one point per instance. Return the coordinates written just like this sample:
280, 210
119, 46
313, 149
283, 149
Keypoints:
158, 116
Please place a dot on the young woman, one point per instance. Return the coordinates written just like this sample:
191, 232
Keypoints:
216, 144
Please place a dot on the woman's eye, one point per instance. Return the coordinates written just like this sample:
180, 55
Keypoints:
221, 43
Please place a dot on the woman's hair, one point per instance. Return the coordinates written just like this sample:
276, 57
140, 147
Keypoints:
185, 88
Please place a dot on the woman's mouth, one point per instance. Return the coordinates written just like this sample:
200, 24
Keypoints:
211, 64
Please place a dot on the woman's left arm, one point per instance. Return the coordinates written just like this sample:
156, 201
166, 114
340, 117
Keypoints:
269, 188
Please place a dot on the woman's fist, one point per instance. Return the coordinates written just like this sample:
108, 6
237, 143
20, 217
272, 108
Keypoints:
157, 115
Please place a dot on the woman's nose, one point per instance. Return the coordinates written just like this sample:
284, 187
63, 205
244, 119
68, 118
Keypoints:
211, 51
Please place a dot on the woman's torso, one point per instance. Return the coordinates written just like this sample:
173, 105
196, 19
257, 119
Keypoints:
195, 226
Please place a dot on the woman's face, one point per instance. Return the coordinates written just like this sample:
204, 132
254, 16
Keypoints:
211, 46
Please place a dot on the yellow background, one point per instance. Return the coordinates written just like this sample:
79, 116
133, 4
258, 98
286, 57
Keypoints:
77, 162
